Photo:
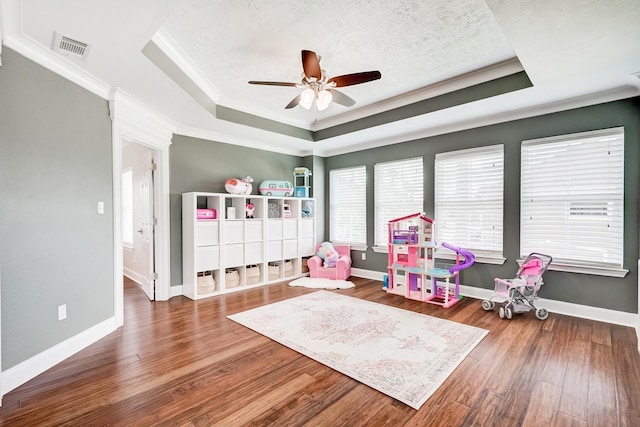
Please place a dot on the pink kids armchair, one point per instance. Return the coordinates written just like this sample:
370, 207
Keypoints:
330, 262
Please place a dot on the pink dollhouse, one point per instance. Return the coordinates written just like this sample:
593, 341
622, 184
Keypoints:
411, 264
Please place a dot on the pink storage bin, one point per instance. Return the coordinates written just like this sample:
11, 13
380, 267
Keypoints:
206, 214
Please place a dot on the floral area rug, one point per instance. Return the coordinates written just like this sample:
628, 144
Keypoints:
403, 354
320, 283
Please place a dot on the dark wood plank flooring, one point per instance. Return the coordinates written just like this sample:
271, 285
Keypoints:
182, 363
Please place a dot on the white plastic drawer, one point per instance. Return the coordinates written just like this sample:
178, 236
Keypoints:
207, 233
234, 231
233, 255
274, 230
253, 253
290, 229
207, 258
290, 249
274, 250
306, 246
253, 231
306, 228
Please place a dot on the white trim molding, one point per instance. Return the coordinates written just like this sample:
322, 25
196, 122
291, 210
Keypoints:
34, 366
135, 122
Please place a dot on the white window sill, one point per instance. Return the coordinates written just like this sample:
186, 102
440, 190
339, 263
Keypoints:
581, 269
354, 246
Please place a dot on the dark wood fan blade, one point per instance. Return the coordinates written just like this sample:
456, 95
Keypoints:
253, 82
311, 64
294, 102
340, 98
355, 78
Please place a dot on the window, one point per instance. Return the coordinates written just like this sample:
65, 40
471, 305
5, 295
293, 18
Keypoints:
348, 205
572, 193
469, 199
398, 192
127, 207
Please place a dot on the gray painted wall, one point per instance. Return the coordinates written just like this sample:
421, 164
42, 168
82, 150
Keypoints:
598, 291
201, 165
55, 165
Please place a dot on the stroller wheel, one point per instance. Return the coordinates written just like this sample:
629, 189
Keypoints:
488, 305
542, 313
501, 312
508, 312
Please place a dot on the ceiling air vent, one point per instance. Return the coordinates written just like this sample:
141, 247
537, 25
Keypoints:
70, 47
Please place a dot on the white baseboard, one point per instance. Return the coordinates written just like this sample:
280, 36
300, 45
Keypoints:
175, 291
559, 307
31, 368
129, 273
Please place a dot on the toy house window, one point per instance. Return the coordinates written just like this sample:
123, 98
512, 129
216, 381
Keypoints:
398, 191
348, 206
127, 207
572, 198
469, 199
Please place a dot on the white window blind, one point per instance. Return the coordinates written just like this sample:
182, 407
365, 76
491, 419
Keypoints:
348, 205
572, 194
398, 192
469, 199
127, 207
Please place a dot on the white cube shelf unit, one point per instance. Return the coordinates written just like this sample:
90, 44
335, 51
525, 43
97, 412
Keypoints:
239, 252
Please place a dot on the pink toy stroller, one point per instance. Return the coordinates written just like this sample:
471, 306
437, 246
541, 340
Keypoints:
519, 293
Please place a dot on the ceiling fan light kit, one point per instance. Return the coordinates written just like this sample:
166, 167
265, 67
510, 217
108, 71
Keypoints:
320, 89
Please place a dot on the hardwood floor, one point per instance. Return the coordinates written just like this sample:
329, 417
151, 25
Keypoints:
181, 362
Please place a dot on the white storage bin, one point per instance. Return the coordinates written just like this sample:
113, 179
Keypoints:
207, 233
290, 249
233, 255
274, 229
234, 231
207, 258
253, 230
274, 250
305, 228
290, 229
306, 246
253, 253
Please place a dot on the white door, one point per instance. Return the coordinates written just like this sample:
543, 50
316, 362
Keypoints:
146, 229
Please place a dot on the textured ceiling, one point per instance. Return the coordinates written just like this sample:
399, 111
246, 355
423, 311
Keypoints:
413, 43
444, 63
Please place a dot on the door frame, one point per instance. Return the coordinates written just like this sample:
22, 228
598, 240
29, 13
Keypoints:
141, 166
135, 122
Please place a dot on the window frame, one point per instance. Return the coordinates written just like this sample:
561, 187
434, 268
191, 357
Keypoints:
469, 178
615, 200
343, 175
418, 186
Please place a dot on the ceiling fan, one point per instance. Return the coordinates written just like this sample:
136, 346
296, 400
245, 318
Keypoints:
319, 88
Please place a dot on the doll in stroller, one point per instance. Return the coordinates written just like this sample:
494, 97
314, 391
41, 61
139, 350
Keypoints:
518, 294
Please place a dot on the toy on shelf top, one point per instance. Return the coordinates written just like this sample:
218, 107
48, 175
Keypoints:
239, 186
301, 188
276, 188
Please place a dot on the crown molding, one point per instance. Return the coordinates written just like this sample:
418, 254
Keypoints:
13, 38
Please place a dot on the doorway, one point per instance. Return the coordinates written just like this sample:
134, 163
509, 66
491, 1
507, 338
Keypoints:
138, 215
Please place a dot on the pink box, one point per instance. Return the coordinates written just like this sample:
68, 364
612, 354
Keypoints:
206, 214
